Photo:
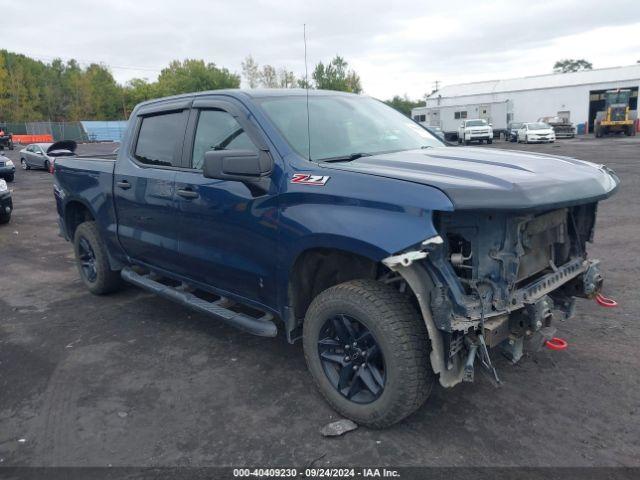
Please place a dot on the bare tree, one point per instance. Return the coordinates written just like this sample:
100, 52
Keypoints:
251, 72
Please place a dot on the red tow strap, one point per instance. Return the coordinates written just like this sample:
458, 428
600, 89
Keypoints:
556, 344
605, 302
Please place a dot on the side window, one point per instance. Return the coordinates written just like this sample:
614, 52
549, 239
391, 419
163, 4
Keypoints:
159, 138
218, 130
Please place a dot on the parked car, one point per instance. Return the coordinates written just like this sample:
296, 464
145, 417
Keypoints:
477, 130
511, 134
7, 168
436, 131
43, 155
6, 204
396, 259
562, 127
536, 132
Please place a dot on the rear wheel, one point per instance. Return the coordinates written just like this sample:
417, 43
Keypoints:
92, 260
367, 350
46, 165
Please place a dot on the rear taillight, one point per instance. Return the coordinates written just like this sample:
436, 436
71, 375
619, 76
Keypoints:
52, 167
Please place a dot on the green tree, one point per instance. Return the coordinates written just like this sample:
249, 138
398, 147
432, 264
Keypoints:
137, 90
404, 104
336, 76
194, 76
570, 65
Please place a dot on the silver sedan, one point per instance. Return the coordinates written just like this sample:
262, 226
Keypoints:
43, 155
35, 156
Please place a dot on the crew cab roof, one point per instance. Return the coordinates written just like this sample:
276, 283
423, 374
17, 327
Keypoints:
250, 93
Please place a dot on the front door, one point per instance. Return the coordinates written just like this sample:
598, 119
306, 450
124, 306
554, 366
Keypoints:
144, 190
228, 229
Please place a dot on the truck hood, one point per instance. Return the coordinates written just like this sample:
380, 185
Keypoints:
491, 179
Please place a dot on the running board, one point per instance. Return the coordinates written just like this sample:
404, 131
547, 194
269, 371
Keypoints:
262, 326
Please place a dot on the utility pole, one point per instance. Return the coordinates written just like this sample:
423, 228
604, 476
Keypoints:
436, 86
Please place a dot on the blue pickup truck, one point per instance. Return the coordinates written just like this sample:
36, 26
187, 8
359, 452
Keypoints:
398, 261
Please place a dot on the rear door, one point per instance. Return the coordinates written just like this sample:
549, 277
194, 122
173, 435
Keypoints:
144, 187
228, 229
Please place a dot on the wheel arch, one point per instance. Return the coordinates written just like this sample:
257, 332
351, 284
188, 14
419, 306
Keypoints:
316, 269
76, 211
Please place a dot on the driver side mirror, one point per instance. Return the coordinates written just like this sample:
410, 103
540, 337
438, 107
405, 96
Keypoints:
238, 165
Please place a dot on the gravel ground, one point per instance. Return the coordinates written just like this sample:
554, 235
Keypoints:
134, 380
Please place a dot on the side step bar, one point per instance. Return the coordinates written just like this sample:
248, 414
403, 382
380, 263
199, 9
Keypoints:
263, 326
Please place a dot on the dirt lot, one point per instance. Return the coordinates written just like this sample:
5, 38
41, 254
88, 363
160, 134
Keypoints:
131, 379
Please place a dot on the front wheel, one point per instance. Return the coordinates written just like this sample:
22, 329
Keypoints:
24, 164
490, 141
92, 260
4, 218
10, 178
367, 350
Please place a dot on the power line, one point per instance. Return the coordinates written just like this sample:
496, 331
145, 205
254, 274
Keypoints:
85, 62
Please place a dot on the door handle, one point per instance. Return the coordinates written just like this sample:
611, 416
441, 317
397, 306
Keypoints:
124, 185
185, 193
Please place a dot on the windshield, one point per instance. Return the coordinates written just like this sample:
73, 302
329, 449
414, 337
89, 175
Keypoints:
538, 126
621, 97
342, 126
516, 126
476, 123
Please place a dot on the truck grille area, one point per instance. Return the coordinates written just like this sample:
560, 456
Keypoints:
497, 262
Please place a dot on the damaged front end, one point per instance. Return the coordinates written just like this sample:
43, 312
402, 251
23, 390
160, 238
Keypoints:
497, 280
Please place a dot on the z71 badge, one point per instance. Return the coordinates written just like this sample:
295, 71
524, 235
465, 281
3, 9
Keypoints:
306, 179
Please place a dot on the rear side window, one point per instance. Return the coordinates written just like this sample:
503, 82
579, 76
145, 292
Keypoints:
159, 138
218, 130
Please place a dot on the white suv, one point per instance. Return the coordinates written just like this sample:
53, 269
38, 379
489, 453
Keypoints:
477, 130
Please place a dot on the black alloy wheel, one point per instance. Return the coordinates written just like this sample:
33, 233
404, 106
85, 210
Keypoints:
87, 259
352, 359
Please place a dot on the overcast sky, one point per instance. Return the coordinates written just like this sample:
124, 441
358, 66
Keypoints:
397, 47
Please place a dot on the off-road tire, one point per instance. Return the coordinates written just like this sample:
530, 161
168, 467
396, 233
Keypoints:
107, 280
401, 336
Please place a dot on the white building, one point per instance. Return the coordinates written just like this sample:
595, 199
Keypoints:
576, 96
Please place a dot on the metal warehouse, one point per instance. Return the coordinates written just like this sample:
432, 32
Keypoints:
576, 96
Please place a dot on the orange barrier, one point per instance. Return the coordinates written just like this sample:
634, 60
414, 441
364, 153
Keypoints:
26, 139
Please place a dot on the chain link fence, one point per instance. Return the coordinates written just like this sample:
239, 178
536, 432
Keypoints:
81, 132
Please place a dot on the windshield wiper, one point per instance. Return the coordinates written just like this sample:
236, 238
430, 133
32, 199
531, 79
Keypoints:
346, 158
